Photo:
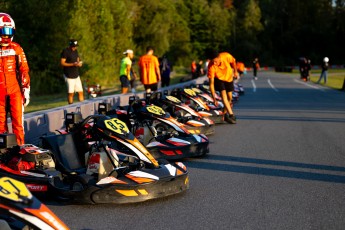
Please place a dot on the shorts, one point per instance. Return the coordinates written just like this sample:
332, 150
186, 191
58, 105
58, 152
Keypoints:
124, 81
74, 85
153, 87
220, 85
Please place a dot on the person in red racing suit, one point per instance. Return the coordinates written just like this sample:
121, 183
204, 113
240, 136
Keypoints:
14, 79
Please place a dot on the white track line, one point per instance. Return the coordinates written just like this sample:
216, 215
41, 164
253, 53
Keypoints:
304, 83
272, 86
254, 86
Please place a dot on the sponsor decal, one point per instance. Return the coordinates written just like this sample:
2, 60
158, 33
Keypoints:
37, 188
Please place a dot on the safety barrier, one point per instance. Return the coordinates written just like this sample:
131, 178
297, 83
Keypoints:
46, 122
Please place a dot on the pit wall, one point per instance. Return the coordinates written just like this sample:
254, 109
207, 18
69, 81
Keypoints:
46, 122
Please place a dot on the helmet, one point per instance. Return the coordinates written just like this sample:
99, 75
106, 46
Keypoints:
7, 29
326, 59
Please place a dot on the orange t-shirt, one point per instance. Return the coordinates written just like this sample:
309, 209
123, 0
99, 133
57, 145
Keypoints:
221, 68
149, 67
240, 66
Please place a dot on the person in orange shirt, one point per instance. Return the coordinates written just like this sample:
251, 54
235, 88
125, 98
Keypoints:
193, 68
149, 70
240, 68
221, 72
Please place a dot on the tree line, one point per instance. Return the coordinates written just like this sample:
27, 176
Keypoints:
278, 32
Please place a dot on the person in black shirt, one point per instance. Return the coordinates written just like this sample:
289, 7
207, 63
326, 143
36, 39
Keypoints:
256, 67
165, 68
71, 62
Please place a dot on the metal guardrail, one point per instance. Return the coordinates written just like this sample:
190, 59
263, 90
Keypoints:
46, 122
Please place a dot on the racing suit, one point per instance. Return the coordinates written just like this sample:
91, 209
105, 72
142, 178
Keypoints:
14, 81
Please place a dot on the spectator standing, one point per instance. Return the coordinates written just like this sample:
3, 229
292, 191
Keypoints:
125, 71
256, 67
133, 77
149, 70
199, 69
324, 71
221, 72
193, 69
206, 66
165, 68
14, 79
304, 69
70, 61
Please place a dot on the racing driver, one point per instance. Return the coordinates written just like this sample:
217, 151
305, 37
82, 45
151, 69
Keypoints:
14, 79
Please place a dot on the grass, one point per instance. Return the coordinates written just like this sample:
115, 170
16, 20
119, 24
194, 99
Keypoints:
334, 81
336, 77
38, 103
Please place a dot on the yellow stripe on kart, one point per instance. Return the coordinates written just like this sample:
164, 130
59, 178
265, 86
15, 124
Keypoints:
132, 192
143, 191
127, 192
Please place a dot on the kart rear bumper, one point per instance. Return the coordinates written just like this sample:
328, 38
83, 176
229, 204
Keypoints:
121, 194
176, 153
207, 130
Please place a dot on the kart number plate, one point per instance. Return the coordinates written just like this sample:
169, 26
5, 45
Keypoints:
190, 92
117, 126
155, 110
173, 99
13, 190
196, 90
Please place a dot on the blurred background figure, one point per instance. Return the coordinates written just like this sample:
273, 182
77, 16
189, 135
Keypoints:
256, 67
165, 68
324, 71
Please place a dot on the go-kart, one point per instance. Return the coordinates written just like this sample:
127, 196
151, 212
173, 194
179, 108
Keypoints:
193, 121
163, 135
189, 97
19, 209
99, 161
207, 98
93, 90
239, 88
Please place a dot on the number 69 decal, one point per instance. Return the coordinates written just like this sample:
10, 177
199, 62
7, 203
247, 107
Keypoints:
155, 110
11, 189
117, 126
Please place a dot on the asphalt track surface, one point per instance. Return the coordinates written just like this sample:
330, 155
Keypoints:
282, 166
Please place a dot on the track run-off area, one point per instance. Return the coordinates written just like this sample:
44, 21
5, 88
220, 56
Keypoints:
282, 166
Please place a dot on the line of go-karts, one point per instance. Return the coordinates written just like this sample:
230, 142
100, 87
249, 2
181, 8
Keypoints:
123, 154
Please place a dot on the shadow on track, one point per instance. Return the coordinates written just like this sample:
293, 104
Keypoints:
279, 118
266, 171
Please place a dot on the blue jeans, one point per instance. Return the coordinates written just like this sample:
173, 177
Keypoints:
324, 76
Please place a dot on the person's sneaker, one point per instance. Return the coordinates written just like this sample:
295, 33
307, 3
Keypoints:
231, 119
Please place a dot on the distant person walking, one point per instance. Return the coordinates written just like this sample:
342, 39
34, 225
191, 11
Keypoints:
149, 70
71, 63
324, 71
256, 67
125, 71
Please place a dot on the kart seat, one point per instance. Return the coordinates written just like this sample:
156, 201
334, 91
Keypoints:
65, 152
